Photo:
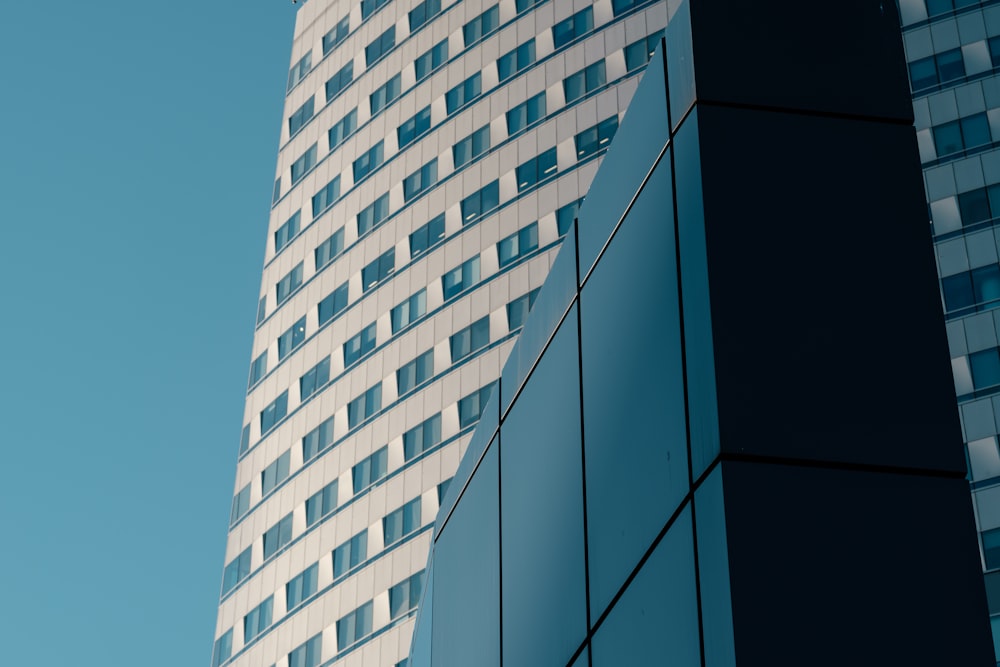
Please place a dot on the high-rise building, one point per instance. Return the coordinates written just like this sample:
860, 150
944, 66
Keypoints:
953, 54
727, 433
433, 154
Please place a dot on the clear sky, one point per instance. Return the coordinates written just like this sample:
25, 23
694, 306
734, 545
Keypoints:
137, 152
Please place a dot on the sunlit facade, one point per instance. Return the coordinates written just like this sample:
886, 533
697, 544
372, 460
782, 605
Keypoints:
432, 158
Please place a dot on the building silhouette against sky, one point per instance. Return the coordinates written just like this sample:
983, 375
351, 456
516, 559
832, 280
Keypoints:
432, 158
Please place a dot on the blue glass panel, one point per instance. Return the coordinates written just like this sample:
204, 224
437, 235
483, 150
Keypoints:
555, 296
542, 511
467, 576
680, 63
713, 570
702, 405
643, 133
656, 619
420, 648
482, 438
633, 391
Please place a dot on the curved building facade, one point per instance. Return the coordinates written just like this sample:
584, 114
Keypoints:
432, 157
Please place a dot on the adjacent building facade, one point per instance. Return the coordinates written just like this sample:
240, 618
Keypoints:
432, 158
953, 53
693, 457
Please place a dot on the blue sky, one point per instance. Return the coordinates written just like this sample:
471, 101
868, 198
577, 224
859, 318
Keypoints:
137, 152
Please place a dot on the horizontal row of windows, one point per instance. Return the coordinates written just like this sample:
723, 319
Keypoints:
402, 598
508, 65
962, 134
528, 175
971, 291
396, 525
940, 68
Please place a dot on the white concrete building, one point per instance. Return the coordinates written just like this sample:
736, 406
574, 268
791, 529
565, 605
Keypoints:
432, 156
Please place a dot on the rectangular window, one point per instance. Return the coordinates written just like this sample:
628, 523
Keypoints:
423, 12
638, 53
369, 161
245, 439
354, 627
321, 503
292, 338
482, 25
415, 373
359, 345
287, 231
525, 114
340, 80
258, 368
370, 470
414, 127
378, 270
310, 654
409, 311
276, 194
518, 309
419, 181
536, 170
584, 82
289, 283
974, 206
939, 68
299, 70
461, 278
596, 138
422, 437
337, 35
427, 236
236, 571
258, 620
373, 215
619, 7
369, 7
333, 304
471, 147
301, 116
991, 548
380, 46
398, 524
317, 440
262, 309
480, 203
471, 407
306, 162
516, 60
223, 649
518, 245
471, 339
364, 406
431, 59
565, 216
328, 250
385, 94
962, 134
525, 5
314, 379
343, 128
572, 28
404, 596
274, 474
985, 366
463, 93
350, 554
299, 589
324, 199
443, 489
241, 505
274, 412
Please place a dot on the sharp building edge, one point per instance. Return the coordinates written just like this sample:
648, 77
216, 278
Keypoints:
432, 158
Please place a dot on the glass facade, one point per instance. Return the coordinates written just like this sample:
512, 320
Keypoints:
681, 462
